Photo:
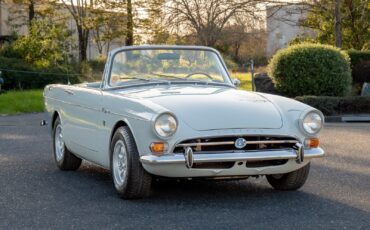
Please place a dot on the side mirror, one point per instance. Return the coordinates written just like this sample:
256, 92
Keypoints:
236, 82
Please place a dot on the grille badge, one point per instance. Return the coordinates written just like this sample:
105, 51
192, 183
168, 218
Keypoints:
240, 143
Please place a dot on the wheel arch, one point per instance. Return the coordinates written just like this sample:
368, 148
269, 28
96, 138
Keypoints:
120, 123
54, 118
117, 125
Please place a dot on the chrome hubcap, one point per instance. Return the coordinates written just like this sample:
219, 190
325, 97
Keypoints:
59, 143
119, 163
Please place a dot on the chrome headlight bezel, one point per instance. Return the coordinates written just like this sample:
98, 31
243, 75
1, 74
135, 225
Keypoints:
158, 132
306, 115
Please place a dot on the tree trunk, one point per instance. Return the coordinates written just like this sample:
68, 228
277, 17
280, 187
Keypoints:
99, 43
338, 30
83, 36
236, 52
130, 25
31, 12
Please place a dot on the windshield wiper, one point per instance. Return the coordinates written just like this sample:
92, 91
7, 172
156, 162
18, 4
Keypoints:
181, 78
136, 78
145, 79
165, 75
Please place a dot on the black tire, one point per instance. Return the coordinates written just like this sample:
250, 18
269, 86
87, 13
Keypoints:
136, 182
67, 160
289, 181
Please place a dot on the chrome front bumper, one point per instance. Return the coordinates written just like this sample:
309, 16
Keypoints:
233, 156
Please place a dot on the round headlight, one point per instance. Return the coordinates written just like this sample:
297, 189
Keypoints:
165, 125
312, 123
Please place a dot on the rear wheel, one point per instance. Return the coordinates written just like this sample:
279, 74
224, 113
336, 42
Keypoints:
64, 159
130, 178
289, 181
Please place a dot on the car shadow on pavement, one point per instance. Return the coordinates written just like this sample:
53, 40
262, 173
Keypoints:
196, 203
88, 196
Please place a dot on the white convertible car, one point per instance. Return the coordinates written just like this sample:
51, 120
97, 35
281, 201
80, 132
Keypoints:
173, 111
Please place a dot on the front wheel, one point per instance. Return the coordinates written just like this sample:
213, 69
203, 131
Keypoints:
289, 181
64, 159
130, 178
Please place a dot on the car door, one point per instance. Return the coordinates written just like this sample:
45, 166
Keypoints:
84, 117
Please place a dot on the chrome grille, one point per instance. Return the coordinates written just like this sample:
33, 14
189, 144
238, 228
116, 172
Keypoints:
227, 144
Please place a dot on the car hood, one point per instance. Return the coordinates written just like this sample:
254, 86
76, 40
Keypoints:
208, 107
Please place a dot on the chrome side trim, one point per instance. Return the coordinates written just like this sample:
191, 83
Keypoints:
99, 110
232, 156
233, 142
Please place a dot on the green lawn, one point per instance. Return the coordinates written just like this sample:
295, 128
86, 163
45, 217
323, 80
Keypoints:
13, 102
245, 79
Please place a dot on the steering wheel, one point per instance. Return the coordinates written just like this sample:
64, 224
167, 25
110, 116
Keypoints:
196, 73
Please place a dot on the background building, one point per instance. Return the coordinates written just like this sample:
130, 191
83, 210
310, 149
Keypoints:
282, 25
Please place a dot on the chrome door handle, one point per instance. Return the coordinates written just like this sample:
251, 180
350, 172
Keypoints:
70, 92
105, 110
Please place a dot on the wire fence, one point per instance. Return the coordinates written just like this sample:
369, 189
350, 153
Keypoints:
28, 79
38, 72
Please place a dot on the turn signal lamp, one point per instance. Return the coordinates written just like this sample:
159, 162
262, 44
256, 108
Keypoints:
158, 148
312, 142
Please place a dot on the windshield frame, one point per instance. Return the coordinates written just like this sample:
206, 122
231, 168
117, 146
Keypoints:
109, 64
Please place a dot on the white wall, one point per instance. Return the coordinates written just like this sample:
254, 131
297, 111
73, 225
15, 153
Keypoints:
282, 27
5, 14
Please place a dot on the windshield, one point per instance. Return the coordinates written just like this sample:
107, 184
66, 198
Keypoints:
145, 65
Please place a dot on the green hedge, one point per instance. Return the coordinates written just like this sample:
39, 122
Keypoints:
20, 75
360, 64
338, 105
361, 73
311, 69
358, 56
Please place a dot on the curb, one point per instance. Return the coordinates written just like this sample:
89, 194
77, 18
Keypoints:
348, 118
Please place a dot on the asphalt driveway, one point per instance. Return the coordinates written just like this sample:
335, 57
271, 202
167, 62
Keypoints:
35, 194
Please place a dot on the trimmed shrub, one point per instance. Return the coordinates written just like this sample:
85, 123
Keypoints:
361, 73
311, 69
358, 56
360, 64
330, 106
19, 75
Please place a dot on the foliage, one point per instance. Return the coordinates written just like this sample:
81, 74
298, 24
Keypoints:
301, 39
311, 69
107, 24
92, 70
22, 12
358, 56
206, 18
98, 64
13, 102
243, 39
230, 63
361, 73
355, 22
338, 105
46, 45
81, 13
20, 75
360, 64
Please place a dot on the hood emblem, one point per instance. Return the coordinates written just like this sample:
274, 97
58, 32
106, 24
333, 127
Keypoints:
240, 143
